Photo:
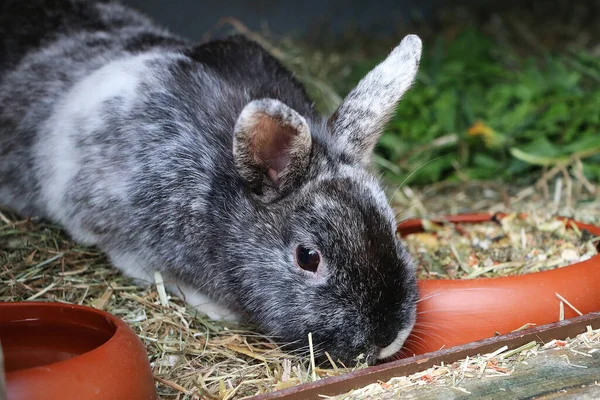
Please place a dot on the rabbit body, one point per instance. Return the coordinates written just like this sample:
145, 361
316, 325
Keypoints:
207, 162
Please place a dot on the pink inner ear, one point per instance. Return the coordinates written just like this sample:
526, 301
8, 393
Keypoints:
271, 144
274, 176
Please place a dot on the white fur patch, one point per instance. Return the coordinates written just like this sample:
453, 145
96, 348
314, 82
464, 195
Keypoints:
132, 266
396, 345
79, 114
202, 303
137, 269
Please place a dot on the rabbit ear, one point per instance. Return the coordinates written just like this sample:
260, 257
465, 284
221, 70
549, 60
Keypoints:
360, 119
271, 147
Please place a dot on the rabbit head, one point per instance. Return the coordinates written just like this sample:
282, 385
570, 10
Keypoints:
325, 258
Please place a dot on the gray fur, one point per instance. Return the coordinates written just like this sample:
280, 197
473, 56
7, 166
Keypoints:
124, 134
359, 121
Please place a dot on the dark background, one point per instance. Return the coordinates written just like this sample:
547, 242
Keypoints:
193, 18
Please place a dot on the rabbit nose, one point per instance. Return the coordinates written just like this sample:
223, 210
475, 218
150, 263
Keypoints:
385, 338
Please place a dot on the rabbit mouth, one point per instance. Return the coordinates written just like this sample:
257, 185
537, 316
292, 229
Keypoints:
396, 345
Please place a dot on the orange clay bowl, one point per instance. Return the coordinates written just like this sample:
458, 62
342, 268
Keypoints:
456, 312
62, 351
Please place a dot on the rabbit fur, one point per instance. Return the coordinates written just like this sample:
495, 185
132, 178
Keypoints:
208, 162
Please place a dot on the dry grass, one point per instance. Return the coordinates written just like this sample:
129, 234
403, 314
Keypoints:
191, 356
517, 244
500, 363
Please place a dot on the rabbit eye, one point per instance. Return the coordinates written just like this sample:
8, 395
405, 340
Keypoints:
307, 259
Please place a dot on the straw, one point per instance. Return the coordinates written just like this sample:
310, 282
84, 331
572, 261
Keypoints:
563, 300
191, 356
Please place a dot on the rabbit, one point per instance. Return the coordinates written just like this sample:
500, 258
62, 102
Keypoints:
208, 163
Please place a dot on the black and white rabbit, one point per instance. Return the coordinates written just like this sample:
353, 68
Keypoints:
207, 162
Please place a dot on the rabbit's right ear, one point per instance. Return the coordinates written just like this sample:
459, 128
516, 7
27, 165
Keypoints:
359, 121
271, 147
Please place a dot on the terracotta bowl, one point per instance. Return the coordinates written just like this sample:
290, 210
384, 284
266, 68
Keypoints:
456, 312
62, 351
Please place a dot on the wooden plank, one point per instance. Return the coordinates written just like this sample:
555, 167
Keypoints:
2, 377
548, 375
357, 379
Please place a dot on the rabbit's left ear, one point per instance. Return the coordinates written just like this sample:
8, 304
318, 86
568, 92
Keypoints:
359, 121
271, 147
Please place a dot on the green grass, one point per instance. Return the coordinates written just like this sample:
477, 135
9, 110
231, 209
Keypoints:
502, 115
487, 105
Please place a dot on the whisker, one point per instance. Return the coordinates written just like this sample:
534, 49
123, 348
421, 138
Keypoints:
441, 292
414, 172
416, 342
432, 335
407, 208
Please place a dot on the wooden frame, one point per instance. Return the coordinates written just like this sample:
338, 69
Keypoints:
357, 379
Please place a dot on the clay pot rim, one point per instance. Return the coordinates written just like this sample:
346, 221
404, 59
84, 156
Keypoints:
414, 225
120, 330
119, 367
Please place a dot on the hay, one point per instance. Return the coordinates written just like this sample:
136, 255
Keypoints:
500, 363
517, 244
191, 356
